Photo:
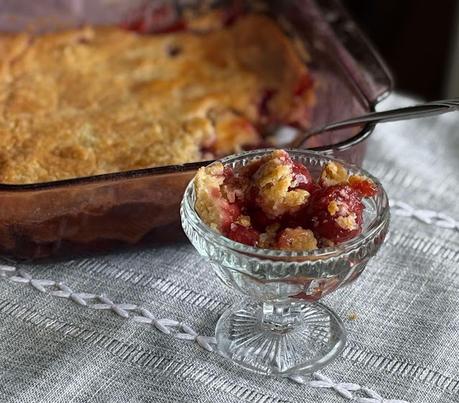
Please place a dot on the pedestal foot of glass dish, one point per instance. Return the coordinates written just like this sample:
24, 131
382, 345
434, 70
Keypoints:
281, 338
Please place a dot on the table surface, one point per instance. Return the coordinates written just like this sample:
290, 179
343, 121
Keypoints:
137, 326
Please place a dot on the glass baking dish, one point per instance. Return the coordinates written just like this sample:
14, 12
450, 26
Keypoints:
98, 213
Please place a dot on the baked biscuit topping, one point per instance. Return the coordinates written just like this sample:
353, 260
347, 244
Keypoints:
333, 174
274, 182
102, 99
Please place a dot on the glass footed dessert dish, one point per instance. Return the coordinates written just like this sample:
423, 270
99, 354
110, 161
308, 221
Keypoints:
284, 229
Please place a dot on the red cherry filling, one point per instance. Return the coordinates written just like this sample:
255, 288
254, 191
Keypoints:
263, 106
365, 186
230, 213
245, 235
335, 213
302, 178
232, 13
259, 219
274, 202
159, 20
305, 84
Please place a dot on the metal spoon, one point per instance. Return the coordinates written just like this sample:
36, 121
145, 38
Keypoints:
410, 112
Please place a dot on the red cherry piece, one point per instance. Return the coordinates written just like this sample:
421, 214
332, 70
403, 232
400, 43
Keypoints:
232, 13
245, 235
302, 177
335, 213
263, 106
230, 213
159, 20
260, 220
136, 25
306, 83
365, 186
228, 173
236, 188
296, 219
308, 297
178, 26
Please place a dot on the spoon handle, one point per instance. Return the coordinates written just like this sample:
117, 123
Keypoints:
410, 112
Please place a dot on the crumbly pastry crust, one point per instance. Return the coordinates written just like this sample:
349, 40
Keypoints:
274, 181
297, 239
210, 203
102, 99
333, 174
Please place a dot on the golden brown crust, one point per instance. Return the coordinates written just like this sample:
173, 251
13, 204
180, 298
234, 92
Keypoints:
348, 222
268, 239
274, 181
97, 100
332, 174
209, 200
297, 239
213, 208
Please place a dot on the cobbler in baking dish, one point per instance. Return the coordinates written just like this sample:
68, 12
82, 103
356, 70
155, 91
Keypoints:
274, 202
105, 99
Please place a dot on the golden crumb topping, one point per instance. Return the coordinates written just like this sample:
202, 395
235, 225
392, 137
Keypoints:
208, 196
333, 207
297, 239
333, 174
269, 237
243, 220
102, 99
348, 222
274, 179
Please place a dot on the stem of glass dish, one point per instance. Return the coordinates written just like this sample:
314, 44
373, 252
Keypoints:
280, 337
279, 316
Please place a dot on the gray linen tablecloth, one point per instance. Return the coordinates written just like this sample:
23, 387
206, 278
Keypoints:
60, 344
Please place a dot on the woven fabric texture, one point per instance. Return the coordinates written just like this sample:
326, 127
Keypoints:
402, 315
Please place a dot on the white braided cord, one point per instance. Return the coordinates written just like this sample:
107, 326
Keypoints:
176, 329
430, 217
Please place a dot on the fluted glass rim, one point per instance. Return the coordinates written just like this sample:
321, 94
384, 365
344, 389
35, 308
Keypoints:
189, 213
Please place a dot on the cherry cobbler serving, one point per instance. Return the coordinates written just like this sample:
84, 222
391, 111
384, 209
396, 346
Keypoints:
275, 203
107, 99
